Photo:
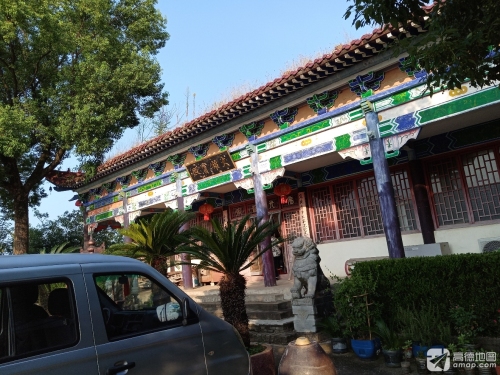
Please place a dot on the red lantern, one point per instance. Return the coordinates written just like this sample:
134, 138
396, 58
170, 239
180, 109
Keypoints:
283, 190
206, 209
78, 203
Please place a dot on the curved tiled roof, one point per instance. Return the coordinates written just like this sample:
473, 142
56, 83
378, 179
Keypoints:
347, 55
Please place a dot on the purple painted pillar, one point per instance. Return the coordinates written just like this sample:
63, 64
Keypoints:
262, 217
187, 276
126, 221
384, 184
86, 235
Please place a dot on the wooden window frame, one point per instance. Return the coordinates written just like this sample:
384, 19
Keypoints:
354, 181
457, 157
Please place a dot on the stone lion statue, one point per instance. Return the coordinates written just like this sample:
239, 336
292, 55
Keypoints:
308, 276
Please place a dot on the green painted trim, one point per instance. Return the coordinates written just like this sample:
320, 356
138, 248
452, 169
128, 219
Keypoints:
152, 185
464, 104
275, 162
104, 215
214, 181
236, 156
342, 142
305, 131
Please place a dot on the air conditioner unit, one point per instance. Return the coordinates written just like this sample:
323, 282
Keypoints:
427, 250
487, 245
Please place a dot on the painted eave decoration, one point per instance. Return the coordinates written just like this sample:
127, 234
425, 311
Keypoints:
345, 56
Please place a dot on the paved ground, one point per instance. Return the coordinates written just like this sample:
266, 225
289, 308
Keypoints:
349, 364
346, 364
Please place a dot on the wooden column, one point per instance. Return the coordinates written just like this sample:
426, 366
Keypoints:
262, 216
86, 235
384, 184
421, 197
187, 276
126, 221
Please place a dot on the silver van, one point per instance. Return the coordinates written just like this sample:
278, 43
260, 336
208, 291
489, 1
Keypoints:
98, 314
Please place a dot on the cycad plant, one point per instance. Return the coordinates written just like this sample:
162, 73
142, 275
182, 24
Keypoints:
229, 250
155, 239
65, 247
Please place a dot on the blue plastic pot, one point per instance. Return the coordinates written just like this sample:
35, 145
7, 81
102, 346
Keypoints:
366, 349
417, 348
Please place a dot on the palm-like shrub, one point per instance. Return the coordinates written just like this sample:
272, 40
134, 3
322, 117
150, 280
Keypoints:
228, 250
155, 239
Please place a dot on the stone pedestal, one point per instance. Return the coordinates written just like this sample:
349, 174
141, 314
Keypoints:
307, 313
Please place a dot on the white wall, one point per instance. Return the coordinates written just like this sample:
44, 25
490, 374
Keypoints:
334, 254
464, 240
461, 240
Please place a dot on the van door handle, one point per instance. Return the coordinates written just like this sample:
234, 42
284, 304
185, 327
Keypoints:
116, 369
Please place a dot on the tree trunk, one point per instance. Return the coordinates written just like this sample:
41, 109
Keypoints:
21, 227
232, 297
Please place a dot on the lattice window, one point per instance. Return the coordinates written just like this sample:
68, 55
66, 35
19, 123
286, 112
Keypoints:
483, 184
292, 225
447, 191
347, 211
369, 206
404, 201
324, 216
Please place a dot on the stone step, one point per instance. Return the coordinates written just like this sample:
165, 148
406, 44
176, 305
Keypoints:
282, 338
271, 326
209, 298
269, 306
270, 315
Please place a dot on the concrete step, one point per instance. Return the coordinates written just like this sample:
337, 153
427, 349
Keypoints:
271, 326
208, 298
282, 338
270, 315
269, 306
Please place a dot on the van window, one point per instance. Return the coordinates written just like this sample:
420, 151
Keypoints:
132, 304
42, 318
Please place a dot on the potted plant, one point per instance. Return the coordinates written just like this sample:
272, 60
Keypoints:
332, 325
464, 322
353, 303
423, 325
391, 344
407, 354
452, 348
421, 361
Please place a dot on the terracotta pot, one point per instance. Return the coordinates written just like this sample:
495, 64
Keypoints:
263, 362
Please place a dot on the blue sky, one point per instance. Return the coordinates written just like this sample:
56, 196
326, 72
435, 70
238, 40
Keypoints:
219, 45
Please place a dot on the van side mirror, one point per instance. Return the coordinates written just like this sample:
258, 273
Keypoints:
185, 307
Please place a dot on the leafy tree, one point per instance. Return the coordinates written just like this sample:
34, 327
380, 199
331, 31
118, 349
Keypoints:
74, 74
155, 239
6, 230
66, 228
461, 39
230, 250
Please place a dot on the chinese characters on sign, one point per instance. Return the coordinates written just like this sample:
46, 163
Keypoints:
210, 166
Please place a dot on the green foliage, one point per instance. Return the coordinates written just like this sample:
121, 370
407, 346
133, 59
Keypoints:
155, 238
74, 75
230, 249
62, 248
66, 228
442, 282
353, 300
465, 323
424, 324
332, 325
456, 46
391, 339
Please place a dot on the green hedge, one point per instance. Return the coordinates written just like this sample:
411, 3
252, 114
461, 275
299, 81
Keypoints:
443, 281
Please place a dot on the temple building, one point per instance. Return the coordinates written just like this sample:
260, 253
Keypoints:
298, 150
